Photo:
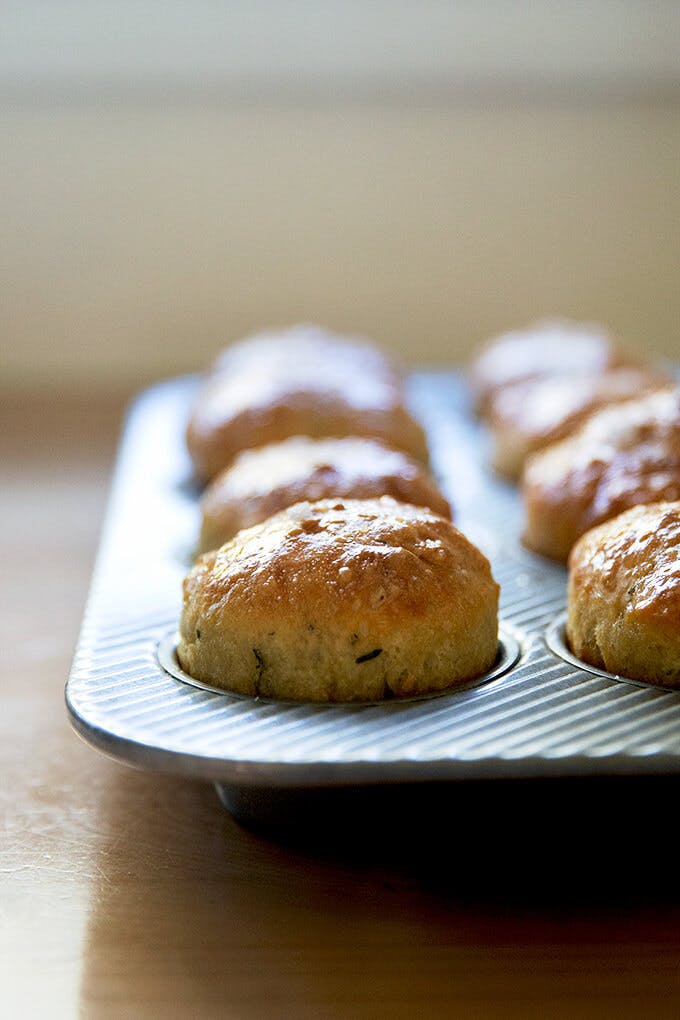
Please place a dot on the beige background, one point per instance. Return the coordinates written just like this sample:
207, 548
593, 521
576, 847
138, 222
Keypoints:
154, 209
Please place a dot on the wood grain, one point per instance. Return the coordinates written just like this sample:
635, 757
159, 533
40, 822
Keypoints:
124, 894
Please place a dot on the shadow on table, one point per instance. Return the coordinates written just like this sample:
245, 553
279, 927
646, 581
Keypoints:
365, 903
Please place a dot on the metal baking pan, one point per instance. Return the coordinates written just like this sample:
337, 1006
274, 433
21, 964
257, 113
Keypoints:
541, 716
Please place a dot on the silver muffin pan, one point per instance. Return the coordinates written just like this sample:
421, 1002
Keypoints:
543, 715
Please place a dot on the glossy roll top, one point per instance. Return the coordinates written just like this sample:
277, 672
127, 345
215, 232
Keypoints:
341, 600
261, 482
624, 595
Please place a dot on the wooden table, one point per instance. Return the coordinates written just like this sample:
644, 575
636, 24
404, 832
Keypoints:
124, 894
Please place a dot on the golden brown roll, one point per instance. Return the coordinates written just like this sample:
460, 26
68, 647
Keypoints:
622, 456
341, 601
531, 415
261, 482
547, 348
301, 381
624, 595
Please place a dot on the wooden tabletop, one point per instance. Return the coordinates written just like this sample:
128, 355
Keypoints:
127, 894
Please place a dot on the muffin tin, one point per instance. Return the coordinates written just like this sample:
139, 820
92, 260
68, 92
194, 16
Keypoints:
539, 714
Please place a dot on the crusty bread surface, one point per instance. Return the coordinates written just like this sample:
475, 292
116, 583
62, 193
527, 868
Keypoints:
551, 347
621, 456
528, 416
624, 595
261, 482
341, 600
301, 381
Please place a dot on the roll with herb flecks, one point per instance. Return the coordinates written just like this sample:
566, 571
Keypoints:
264, 481
341, 600
303, 381
624, 595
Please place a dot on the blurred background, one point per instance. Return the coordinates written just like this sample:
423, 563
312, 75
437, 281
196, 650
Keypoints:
175, 175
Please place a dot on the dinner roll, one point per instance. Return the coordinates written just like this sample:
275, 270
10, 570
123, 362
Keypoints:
261, 482
548, 348
621, 456
341, 600
301, 381
530, 415
624, 595
316, 347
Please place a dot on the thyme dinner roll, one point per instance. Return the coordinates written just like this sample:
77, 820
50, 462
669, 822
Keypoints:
261, 482
302, 381
551, 347
620, 457
624, 595
531, 415
341, 601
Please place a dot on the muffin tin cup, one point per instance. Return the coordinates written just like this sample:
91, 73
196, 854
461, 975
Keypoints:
508, 654
556, 640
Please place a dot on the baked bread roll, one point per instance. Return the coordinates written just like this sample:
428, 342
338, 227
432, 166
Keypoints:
341, 601
530, 415
622, 456
548, 348
624, 595
301, 381
261, 482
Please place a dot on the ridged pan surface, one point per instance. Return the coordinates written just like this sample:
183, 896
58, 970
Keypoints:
543, 716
